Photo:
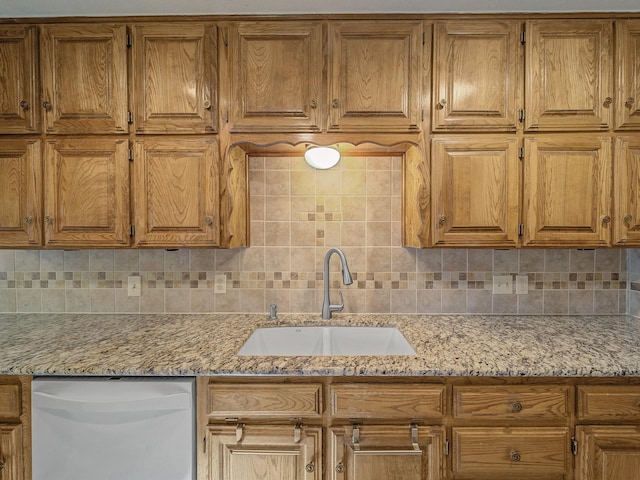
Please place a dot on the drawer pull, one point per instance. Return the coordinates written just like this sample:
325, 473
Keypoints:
516, 406
339, 468
309, 467
515, 456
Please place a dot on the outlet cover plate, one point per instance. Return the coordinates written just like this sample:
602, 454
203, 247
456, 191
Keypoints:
134, 288
502, 284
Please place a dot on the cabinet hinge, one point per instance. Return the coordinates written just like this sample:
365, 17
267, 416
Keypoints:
423, 39
204, 444
225, 39
574, 445
422, 113
130, 118
132, 230
523, 39
129, 40
446, 446
227, 117
521, 153
521, 113
131, 154
520, 229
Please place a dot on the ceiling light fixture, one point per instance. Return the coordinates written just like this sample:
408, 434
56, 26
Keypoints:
322, 157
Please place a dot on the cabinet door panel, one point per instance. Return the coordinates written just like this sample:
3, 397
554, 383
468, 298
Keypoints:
375, 75
567, 183
177, 192
18, 95
174, 72
626, 221
11, 446
569, 75
374, 452
608, 453
84, 78
475, 191
86, 192
265, 452
477, 80
20, 193
276, 70
628, 64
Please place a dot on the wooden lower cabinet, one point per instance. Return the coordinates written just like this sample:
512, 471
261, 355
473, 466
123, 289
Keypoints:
390, 452
15, 427
608, 452
269, 452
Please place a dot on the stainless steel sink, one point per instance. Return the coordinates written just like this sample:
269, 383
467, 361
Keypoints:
309, 341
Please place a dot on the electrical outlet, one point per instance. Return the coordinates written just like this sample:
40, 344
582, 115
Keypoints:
502, 284
220, 284
134, 288
522, 284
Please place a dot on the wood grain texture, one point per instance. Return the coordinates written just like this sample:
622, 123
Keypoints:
608, 403
628, 80
416, 204
84, 78
234, 199
18, 77
15, 427
477, 84
608, 453
626, 219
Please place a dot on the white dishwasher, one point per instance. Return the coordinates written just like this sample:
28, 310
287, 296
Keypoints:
125, 428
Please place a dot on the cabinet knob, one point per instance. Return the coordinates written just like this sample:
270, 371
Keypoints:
207, 104
627, 218
606, 219
309, 467
48, 219
629, 102
340, 468
313, 104
442, 220
516, 406
607, 101
208, 220
28, 220
335, 103
46, 105
24, 105
515, 456
1, 465
442, 103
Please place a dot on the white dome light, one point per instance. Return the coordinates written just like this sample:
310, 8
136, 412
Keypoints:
322, 157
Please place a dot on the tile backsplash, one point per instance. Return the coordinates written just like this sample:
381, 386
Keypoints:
297, 214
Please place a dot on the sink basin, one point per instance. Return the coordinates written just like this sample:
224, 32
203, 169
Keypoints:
307, 341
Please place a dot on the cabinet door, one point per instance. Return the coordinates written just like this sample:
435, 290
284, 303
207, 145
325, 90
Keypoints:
11, 467
177, 192
475, 191
626, 221
476, 75
174, 78
264, 452
276, 76
541, 453
569, 75
20, 193
628, 65
84, 78
375, 452
18, 100
86, 192
608, 453
374, 75
567, 190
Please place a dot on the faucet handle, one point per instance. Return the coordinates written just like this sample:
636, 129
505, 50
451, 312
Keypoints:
340, 306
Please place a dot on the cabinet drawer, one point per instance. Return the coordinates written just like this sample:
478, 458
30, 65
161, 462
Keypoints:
370, 400
610, 403
536, 452
260, 400
512, 403
9, 401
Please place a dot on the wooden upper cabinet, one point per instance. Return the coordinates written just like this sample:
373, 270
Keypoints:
84, 78
375, 75
177, 192
567, 191
20, 193
276, 72
628, 65
477, 79
174, 78
475, 191
569, 82
86, 184
18, 74
626, 220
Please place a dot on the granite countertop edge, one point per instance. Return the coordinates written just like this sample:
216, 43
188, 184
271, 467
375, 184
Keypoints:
207, 344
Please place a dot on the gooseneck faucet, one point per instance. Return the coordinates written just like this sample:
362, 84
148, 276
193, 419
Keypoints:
327, 307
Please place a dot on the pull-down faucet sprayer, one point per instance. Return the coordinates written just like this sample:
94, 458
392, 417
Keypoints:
327, 307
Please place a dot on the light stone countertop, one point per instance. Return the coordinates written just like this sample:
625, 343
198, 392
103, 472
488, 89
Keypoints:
207, 344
